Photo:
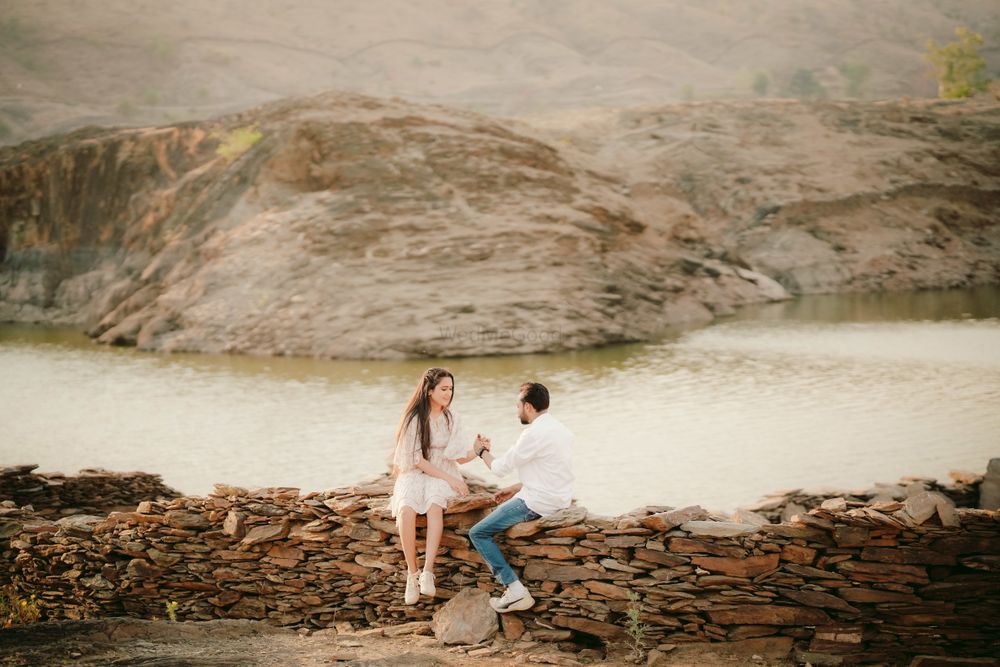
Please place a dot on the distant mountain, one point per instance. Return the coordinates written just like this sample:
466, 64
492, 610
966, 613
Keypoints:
65, 65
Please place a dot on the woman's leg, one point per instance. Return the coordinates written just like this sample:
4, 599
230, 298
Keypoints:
435, 526
407, 523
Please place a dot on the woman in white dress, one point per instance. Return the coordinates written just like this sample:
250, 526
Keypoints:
430, 443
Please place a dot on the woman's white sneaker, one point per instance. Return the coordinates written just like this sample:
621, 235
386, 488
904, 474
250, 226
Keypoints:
427, 583
412, 584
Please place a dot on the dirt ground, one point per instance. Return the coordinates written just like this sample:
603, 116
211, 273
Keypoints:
125, 641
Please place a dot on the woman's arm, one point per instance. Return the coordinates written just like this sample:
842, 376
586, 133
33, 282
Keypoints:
456, 483
460, 449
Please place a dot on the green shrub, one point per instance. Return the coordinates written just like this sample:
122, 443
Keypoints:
15, 610
760, 84
15, 33
805, 86
635, 629
238, 141
20, 41
126, 108
857, 75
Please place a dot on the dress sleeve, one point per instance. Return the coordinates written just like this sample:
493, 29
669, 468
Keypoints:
460, 441
407, 454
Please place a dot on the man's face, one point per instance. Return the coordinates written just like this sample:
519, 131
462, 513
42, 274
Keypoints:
522, 413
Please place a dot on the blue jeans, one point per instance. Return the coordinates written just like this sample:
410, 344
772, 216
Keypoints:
503, 517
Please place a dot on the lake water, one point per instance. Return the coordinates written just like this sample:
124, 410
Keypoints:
837, 391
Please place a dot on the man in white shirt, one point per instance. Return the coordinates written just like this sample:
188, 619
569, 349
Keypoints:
543, 459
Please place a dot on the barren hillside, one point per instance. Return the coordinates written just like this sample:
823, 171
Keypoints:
359, 227
111, 62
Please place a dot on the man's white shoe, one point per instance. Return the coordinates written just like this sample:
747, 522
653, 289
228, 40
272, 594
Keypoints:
412, 593
427, 583
511, 601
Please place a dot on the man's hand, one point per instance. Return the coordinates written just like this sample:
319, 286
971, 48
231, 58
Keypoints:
503, 495
482, 443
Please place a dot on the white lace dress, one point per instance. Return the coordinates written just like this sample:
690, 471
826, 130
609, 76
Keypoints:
417, 489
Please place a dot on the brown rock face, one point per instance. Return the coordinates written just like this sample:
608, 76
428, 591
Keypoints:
738, 567
769, 615
596, 628
353, 228
363, 228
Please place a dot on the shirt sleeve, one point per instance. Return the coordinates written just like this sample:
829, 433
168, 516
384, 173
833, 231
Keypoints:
407, 454
525, 449
460, 441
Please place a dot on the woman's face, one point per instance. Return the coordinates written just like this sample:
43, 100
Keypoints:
441, 394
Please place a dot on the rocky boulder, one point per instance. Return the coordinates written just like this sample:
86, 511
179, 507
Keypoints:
466, 619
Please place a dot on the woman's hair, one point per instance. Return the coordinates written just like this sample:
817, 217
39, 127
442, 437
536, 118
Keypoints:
419, 408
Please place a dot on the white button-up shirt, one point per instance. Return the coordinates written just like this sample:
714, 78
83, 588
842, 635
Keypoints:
543, 460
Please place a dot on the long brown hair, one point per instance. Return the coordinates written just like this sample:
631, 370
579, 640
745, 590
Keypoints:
419, 408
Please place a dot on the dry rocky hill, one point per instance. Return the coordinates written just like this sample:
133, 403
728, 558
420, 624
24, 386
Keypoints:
360, 227
65, 65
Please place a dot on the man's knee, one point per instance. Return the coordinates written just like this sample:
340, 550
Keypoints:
480, 532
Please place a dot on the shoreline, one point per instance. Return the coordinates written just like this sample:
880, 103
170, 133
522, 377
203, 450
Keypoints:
983, 299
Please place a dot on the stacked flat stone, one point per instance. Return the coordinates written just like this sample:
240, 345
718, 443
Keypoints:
782, 505
876, 582
92, 490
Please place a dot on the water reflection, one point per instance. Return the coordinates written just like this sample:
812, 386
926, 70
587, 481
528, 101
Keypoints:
822, 391
976, 303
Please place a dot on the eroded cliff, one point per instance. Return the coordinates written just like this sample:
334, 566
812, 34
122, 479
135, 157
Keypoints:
358, 227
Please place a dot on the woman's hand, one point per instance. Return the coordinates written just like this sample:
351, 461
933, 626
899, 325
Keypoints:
458, 485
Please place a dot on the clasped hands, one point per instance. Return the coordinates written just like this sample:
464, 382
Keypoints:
503, 495
481, 443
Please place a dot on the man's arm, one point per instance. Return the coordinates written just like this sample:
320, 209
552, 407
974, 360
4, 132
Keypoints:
523, 451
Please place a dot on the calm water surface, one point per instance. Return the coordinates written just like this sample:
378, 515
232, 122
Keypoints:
834, 391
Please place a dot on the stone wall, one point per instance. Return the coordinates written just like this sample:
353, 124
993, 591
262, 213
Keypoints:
963, 490
92, 490
875, 582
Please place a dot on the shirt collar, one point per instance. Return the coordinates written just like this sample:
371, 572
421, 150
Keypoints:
540, 417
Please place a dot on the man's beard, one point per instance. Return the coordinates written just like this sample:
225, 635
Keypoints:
524, 421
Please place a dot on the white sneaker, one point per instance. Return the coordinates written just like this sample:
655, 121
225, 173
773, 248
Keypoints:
427, 583
412, 594
520, 601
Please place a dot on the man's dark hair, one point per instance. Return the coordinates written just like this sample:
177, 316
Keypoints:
535, 395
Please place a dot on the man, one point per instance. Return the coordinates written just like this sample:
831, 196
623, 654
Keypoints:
542, 459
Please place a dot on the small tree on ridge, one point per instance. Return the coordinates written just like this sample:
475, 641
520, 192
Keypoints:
958, 67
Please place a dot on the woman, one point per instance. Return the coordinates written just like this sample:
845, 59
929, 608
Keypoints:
430, 443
